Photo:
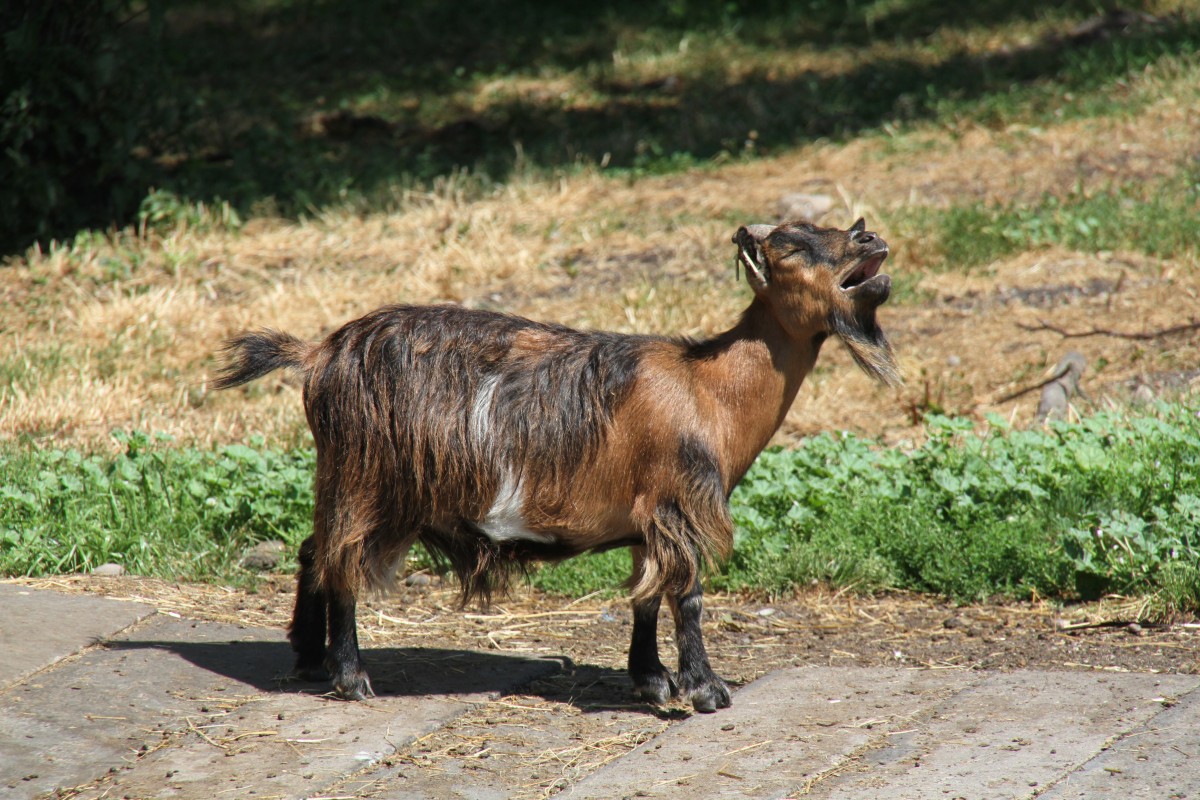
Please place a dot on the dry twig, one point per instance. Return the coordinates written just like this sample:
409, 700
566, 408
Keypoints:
1143, 336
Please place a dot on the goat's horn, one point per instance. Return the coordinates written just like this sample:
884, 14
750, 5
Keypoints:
750, 254
759, 232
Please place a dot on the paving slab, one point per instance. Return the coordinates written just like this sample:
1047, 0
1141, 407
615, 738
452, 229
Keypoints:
785, 730
840, 734
1157, 761
37, 628
1009, 736
186, 709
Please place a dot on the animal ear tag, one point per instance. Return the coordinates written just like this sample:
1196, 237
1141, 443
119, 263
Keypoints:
751, 255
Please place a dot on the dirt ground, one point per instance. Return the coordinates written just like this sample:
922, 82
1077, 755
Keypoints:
556, 730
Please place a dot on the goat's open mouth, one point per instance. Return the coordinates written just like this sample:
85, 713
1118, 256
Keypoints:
864, 272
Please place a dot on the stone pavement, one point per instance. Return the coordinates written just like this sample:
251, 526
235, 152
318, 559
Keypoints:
863, 733
119, 700
186, 709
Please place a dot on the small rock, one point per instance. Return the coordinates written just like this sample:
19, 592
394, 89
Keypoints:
264, 556
1055, 402
953, 361
727, 726
109, 571
418, 579
766, 612
803, 206
953, 622
1135, 629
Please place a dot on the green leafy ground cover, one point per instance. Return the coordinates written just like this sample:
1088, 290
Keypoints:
1109, 504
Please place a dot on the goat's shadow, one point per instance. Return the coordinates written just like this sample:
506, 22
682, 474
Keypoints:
415, 672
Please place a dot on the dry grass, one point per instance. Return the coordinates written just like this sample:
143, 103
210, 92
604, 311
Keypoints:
119, 332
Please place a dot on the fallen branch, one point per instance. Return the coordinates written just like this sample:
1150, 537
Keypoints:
1027, 390
1147, 335
1057, 388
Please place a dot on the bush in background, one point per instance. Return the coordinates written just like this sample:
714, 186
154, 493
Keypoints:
73, 109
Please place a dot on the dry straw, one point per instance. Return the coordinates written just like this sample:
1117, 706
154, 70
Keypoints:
120, 331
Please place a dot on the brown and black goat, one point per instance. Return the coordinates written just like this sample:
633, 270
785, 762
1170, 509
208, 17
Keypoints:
496, 441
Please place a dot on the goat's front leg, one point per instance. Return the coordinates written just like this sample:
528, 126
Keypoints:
697, 682
651, 680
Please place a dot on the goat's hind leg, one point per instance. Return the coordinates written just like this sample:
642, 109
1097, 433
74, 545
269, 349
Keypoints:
325, 605
309, 620
344, 661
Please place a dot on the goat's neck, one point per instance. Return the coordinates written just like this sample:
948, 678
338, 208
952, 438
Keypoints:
751, 380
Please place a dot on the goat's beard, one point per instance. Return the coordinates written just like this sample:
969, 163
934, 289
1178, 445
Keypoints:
867, 344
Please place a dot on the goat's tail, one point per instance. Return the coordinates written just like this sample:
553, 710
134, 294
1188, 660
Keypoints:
252, 354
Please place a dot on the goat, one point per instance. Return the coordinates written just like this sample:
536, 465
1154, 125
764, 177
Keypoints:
496, 441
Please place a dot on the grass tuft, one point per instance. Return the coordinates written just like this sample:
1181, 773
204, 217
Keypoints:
1160, 218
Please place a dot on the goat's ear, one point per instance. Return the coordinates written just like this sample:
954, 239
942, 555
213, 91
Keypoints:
859, 227
749, 240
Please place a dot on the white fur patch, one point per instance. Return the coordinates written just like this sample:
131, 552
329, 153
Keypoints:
481, 411
504, 521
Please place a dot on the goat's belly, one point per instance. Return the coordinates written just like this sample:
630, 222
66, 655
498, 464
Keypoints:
550, 546
507, 522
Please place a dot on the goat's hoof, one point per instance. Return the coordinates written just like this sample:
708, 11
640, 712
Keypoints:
710, 695
655, 687
353, 687
310, 672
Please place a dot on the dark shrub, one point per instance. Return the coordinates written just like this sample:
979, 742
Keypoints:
73, 108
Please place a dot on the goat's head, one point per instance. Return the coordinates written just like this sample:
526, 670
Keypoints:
818, 281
